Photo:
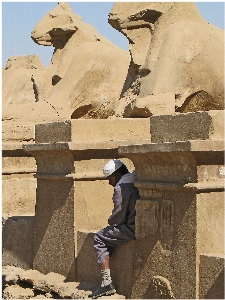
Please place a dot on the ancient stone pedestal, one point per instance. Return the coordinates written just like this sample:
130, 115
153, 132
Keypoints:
179, 221
54, 237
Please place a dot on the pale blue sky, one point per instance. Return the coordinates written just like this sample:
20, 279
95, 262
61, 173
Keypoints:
19, 18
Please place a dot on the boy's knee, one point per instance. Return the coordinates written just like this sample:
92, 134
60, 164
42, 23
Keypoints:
97, 237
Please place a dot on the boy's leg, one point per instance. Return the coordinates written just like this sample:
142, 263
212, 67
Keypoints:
106, 288
104, 242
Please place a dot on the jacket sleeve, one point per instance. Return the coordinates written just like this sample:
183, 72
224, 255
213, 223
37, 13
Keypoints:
118, 215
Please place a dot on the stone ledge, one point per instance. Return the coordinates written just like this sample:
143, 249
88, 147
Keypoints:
81, 146
176, 186
74, 176
6, 146
18, 171
46, 147
191, 145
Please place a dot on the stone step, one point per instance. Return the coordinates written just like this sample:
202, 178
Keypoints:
31, 284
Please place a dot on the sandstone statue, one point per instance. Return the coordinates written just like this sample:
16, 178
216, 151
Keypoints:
176, 65
177, 59
84, 79
17, 85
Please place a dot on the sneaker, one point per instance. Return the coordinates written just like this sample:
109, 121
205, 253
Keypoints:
104, 291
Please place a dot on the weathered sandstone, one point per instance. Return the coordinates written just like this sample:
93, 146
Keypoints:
173, 50
55, 196
84, 79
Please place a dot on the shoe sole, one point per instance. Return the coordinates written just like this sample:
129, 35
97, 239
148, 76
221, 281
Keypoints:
105, 294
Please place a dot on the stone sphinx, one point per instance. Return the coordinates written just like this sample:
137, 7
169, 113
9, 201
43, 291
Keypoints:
84, 79
177, 59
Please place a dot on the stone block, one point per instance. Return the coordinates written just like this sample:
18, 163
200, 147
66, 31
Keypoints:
18, 241
187, 126
53, 132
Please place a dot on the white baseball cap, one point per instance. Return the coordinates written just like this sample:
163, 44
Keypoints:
111, 167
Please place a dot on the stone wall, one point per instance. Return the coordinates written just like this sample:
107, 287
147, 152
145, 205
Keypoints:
179, 222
